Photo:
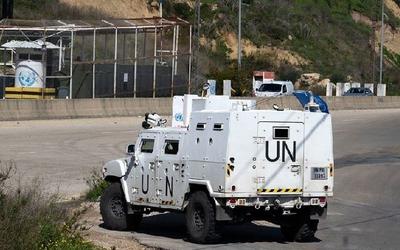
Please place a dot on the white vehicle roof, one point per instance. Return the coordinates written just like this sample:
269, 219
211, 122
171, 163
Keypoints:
276, 82
166, 129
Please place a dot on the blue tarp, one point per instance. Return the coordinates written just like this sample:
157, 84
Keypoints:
304, 98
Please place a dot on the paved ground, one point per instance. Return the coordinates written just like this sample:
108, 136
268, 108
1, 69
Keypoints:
365, 213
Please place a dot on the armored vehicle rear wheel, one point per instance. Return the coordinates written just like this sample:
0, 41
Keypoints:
301, 230
200, 219
114, 210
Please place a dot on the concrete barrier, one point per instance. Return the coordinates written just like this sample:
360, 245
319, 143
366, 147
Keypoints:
81, 108
13, 110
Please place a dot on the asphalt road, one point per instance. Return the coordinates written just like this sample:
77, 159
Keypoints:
364, 214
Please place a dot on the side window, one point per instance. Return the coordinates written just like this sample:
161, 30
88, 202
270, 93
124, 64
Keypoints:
36, 57
200, 126
284, 89
218, 126
171, 147
147, 146
23, 56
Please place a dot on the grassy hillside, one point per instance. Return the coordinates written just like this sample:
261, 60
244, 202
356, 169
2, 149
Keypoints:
322, 32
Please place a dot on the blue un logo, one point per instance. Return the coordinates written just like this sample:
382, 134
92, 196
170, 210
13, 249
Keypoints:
27, 78
179, 117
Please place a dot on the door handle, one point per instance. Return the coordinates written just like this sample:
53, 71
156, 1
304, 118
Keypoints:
295, 168
151, 165
176, 166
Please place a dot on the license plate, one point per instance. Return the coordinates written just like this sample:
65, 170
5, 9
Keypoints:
319, 173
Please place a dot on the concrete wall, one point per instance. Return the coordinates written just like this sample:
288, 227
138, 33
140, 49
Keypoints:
81, 108
336, 102
11, 110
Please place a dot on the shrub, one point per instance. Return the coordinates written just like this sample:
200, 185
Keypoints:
32, 219
96, 185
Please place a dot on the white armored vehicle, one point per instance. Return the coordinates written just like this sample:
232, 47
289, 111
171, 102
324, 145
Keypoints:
224, 161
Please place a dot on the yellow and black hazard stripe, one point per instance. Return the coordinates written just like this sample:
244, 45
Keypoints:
279, 190
167, 202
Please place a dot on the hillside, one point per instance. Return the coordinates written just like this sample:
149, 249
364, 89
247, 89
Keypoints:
293, 37
339, 39
82, 9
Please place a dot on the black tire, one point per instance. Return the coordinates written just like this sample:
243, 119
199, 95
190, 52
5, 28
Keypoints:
289, 232
200, 219
307, 231
114, 210
301, 230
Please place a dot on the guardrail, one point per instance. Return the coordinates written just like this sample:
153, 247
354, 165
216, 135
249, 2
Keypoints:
12, 110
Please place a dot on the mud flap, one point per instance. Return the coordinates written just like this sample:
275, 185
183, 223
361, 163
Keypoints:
220, 212
319, 213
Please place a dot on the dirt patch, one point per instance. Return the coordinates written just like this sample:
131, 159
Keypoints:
360, 18
280, 55
392, 36
393, 6
115, 8
90, 222
392, 39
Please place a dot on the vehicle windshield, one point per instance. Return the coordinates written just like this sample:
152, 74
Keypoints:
356, 90
270, 87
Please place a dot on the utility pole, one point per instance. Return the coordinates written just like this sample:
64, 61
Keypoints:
196, 38
240, 36
382, 43
161, 7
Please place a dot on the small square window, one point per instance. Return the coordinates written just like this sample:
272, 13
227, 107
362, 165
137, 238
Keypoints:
281, 132
147, 146
201, 126
171, 147
218, 126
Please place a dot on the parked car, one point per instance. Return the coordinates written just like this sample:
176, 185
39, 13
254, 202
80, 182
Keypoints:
274, 88
358, 92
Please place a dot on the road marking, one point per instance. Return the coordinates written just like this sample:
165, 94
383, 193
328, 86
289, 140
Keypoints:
335, 213
117, 132
351, 120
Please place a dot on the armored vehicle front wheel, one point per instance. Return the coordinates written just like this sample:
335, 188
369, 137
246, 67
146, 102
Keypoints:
200, 218
114, 210
301, 230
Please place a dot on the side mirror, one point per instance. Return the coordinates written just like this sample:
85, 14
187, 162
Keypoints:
257, 89
130, 149
277, 108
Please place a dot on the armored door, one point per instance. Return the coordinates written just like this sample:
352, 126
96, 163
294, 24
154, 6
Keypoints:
146, 169
170, 171
280, 157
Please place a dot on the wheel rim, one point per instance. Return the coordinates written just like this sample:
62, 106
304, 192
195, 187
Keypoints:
117, 207
198, 218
